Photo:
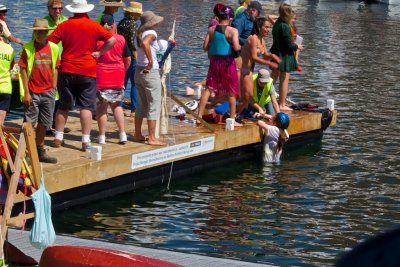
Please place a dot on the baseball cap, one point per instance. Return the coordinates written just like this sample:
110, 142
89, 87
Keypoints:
263, 76
107, 18
255, 5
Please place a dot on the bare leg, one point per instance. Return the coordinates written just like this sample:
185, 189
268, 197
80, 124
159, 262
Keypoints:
118, 116
2, 117
283, 90
101, 115
203, 101
40, 134
61, 120
86, 121
138, 136
151, 124
275, 75
246, 90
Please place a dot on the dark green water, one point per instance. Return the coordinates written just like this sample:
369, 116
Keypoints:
321, 200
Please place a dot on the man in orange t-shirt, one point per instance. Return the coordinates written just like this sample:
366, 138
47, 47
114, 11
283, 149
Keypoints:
77, 80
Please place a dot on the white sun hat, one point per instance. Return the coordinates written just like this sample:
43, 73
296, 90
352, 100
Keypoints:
79, 6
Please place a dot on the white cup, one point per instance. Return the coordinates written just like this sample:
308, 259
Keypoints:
95, 153
330, 103
230, 124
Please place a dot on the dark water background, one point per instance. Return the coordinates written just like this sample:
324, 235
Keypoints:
322, 199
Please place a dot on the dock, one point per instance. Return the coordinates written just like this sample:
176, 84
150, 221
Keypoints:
76, 179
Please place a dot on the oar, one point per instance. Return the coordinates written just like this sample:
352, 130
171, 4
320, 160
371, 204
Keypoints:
180, 103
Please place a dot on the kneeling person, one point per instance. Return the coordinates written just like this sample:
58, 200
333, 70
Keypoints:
264, 96
38, 81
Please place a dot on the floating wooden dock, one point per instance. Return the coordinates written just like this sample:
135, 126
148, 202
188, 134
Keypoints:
77, 179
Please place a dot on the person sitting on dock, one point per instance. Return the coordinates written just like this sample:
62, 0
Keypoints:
220, 42
264, 100
275, 136
39, 63
77, 79
6, 65
110, 73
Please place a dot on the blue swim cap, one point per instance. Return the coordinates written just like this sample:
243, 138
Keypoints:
282, 120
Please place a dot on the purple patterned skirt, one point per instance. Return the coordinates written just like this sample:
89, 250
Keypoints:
222, 77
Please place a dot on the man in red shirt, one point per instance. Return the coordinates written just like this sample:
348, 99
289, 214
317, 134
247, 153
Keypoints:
77, 80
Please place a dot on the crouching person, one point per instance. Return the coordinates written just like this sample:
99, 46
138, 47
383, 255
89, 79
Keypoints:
38, 81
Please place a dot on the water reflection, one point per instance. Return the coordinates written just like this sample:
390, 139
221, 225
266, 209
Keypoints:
322, 199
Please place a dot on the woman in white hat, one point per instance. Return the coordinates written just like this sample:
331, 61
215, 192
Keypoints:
147, 78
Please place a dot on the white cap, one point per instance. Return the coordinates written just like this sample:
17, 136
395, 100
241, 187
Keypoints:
3, 7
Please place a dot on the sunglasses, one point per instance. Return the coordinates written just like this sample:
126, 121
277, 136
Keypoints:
57, 8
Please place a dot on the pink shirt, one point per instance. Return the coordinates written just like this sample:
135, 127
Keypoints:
79, 36
110, 67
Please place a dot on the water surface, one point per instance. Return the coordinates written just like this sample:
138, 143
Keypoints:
323, 198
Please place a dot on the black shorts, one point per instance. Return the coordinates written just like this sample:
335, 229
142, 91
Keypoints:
75, 89
5, 102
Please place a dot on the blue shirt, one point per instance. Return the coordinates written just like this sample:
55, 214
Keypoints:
244, 24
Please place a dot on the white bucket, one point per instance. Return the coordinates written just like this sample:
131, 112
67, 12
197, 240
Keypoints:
330, 103
230, 124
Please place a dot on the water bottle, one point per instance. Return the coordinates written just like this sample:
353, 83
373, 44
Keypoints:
198, 92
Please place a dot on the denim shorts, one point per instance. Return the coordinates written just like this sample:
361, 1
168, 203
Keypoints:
41, 109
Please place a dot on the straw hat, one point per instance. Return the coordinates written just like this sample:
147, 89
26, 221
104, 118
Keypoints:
134, 7
79, 6
112, 3
40, 24
148, 20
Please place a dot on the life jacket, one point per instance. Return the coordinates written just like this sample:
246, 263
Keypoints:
220, 45
30, 55
265, 95
6, 58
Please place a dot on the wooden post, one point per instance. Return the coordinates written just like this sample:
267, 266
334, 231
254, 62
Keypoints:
29, 133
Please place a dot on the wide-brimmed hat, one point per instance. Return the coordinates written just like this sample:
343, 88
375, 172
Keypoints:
112, 3
148, 20
40, 24
79, 6
134, 7
3, 8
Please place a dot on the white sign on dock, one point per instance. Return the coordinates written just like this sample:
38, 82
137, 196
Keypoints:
169, 153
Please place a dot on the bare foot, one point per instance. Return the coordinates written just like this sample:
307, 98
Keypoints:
285, 108
238, 124
139, 138
156, 143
